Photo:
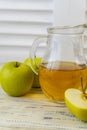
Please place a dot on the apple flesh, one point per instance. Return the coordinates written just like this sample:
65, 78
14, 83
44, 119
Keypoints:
16, 78
76, 101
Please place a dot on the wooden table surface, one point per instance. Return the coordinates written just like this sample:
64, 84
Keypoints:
35, 112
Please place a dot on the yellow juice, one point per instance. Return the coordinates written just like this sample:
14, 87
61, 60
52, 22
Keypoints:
56, 77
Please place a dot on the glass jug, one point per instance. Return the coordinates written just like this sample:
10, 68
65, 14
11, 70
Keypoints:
63, 65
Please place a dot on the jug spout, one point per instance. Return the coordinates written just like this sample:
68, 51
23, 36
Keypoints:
81, 25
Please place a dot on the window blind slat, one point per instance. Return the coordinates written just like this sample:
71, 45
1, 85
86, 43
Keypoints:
23, 28
26, 16
26, 4
16, 40
21, 21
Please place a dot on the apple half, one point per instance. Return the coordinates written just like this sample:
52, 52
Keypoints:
76, 101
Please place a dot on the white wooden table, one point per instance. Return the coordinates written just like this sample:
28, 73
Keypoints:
35, 112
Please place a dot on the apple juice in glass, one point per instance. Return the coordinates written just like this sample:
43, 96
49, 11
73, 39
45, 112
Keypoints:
63, 65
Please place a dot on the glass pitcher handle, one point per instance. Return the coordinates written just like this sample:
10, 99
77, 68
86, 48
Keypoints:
35, 45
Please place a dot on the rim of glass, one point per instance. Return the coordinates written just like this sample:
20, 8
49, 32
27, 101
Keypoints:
77, 29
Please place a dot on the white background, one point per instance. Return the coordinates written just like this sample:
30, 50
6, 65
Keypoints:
69, 12
21, 21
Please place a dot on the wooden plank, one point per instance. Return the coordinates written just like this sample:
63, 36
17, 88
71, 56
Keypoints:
35, 112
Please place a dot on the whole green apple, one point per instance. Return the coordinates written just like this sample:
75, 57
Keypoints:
36, 78
16, 78
76, 101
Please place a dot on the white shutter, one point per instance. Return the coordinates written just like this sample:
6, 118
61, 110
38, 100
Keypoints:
21, 21
85, 38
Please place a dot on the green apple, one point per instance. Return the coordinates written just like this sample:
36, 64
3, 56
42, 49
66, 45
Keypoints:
76, 101
27, 61
16, 78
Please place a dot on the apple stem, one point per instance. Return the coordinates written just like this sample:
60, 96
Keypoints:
17, 64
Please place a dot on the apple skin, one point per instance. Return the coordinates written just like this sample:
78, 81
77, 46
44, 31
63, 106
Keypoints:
76, 103
36, 77
16, 78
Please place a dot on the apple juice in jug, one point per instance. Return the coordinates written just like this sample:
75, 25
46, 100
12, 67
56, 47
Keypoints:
56, 77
